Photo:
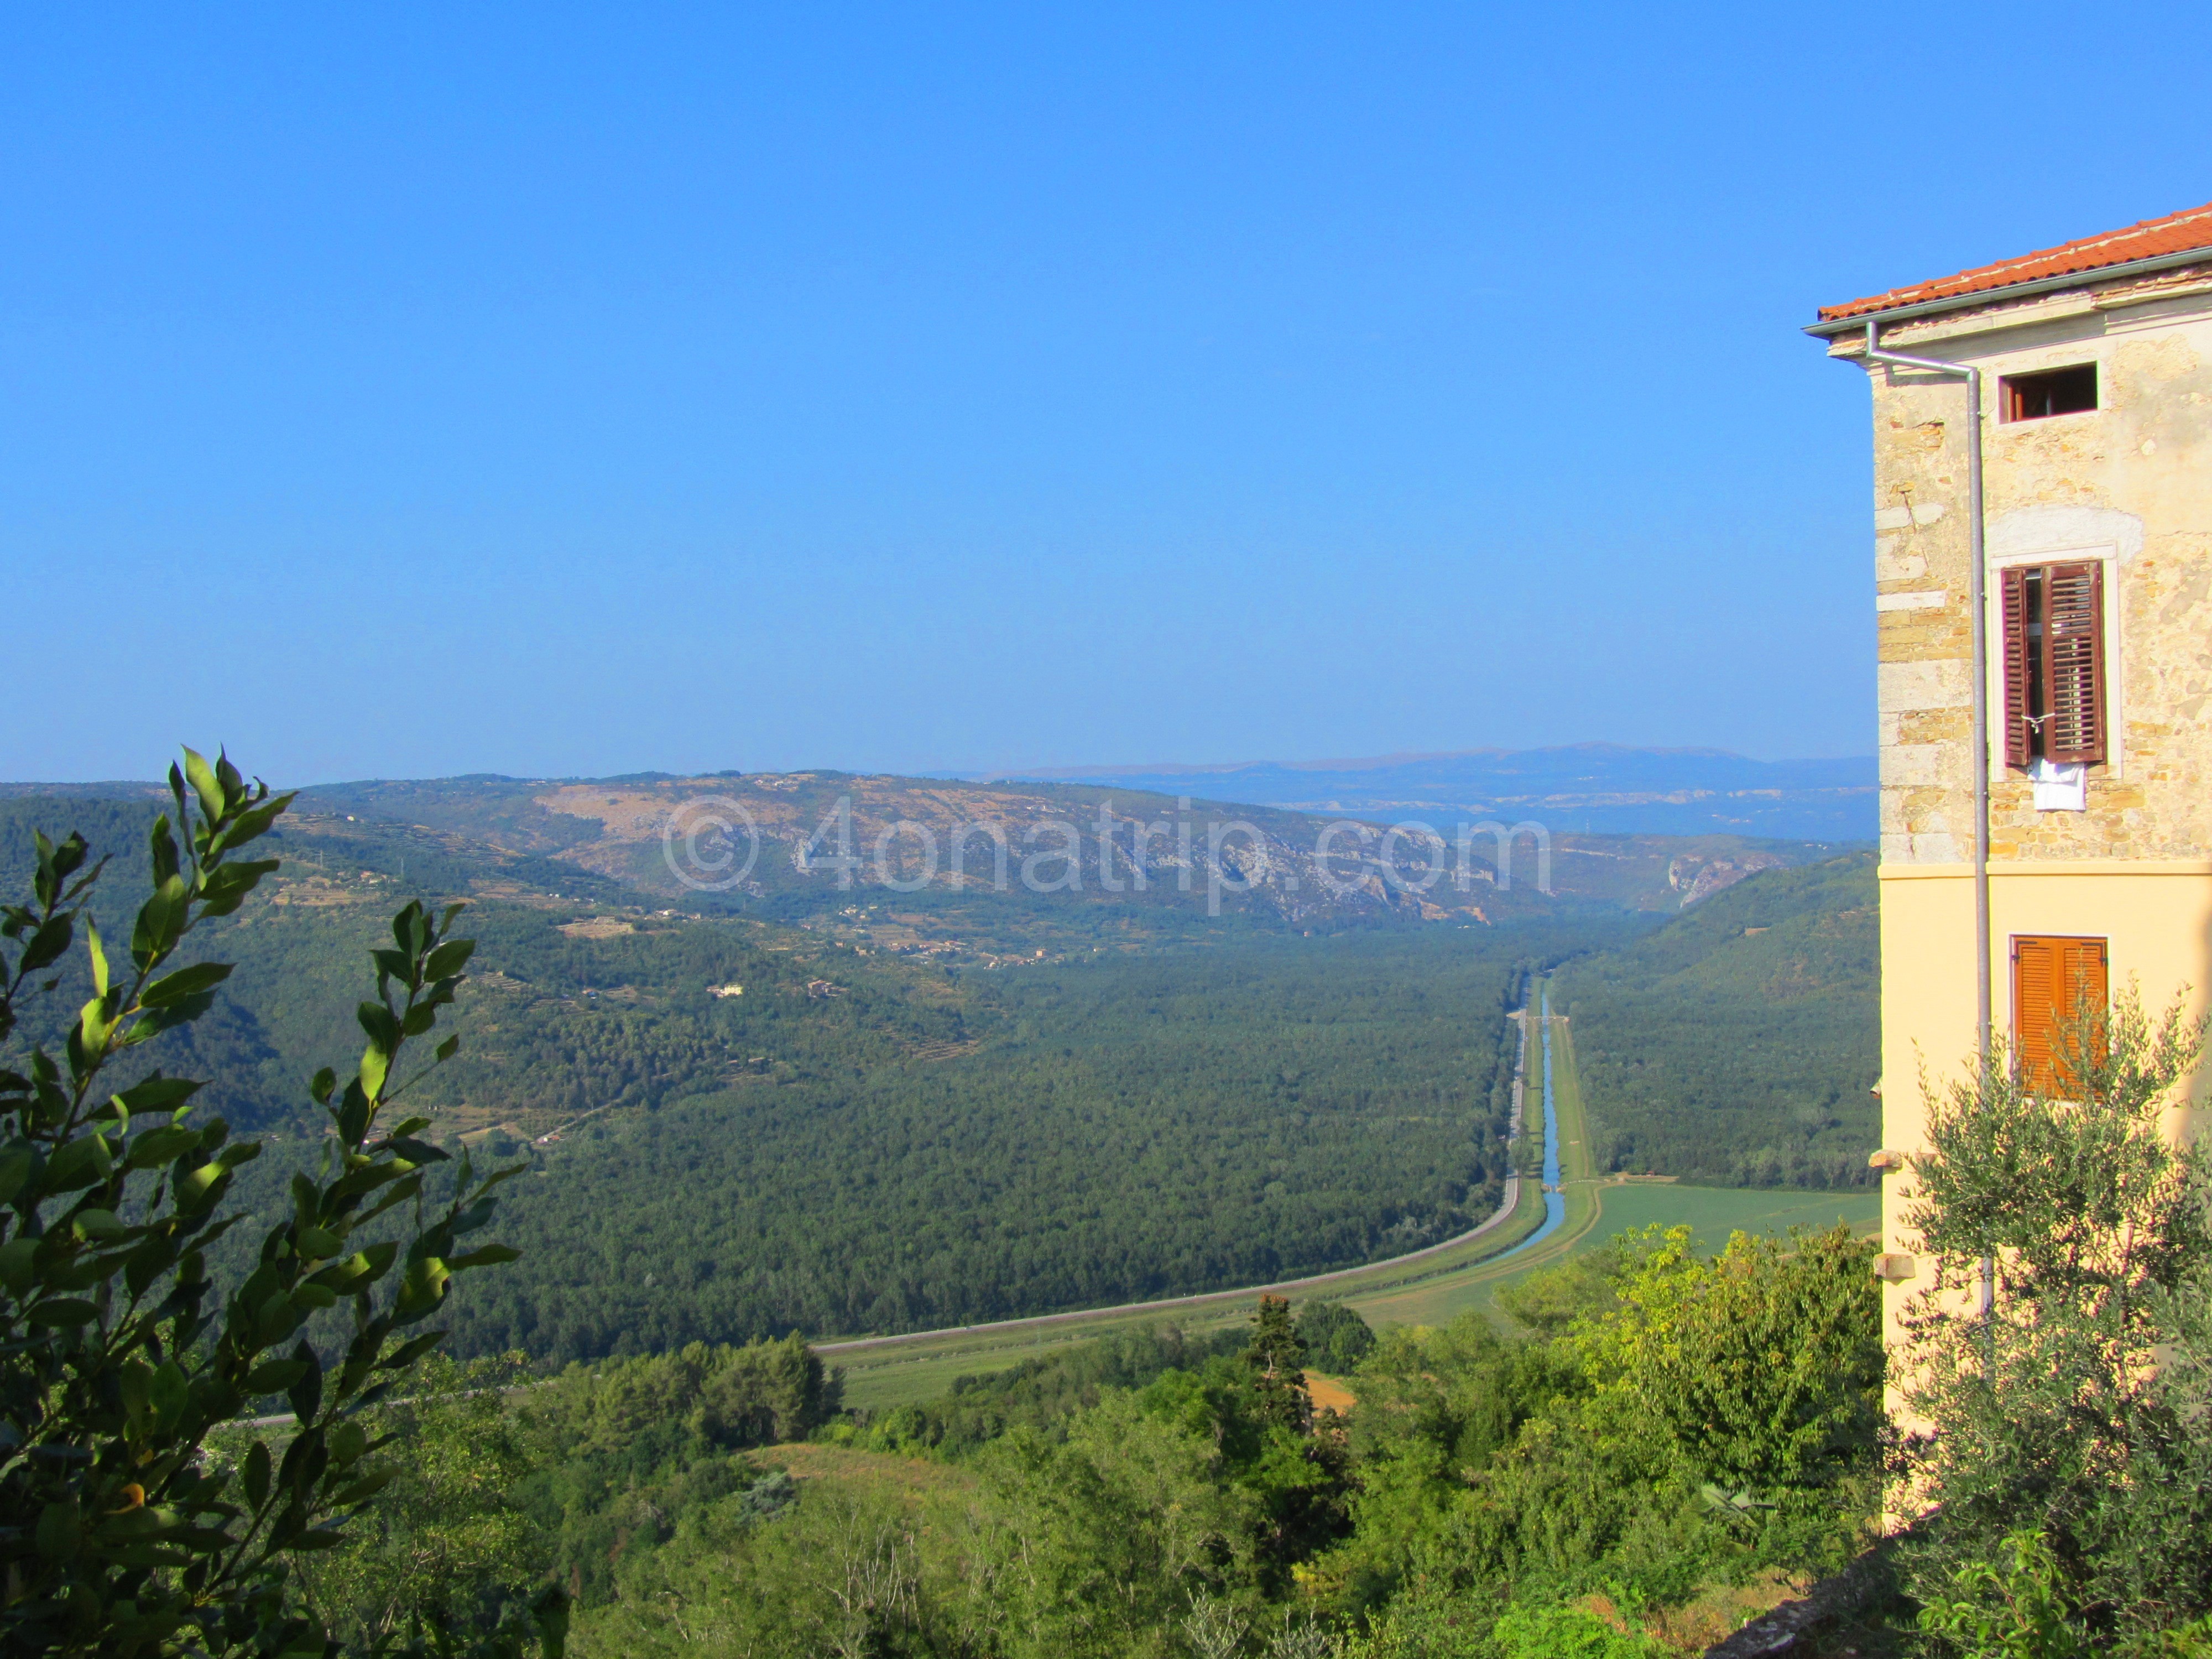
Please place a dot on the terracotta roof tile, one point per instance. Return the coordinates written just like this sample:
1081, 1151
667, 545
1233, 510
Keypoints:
2177, 233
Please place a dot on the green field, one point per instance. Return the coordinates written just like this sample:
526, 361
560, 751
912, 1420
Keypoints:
1427, 1294
1596, 1210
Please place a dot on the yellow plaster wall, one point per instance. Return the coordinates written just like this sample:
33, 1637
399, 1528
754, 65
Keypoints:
2157, 915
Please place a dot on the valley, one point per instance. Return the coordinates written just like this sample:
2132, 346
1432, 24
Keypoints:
1430, 1289
862, 1115
1738, 1044
843, 1198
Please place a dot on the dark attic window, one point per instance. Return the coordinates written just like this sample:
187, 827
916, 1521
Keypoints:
2053, 392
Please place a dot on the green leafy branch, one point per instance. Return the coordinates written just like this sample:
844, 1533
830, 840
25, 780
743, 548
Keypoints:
117, 1534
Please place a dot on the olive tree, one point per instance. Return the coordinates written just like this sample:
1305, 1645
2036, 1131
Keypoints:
2061, 1403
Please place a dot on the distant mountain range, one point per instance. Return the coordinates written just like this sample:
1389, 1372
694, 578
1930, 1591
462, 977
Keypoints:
1600, 788
1583, 788
993, 870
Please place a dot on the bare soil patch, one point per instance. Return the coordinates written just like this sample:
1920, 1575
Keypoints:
597, 928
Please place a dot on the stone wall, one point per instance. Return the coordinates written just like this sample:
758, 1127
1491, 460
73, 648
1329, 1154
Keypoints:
2135, 478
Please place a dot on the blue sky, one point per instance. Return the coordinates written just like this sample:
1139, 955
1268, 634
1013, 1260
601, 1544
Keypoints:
410, 390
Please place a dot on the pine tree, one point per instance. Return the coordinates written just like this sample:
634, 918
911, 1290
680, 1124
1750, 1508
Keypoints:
1277, 1358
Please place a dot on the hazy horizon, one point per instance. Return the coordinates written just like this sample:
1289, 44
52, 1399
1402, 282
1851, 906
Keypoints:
1066, 773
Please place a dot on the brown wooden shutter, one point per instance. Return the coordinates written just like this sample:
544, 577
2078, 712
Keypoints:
2074, 662
2056, 984
2012, 588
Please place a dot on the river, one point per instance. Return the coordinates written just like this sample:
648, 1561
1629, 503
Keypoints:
1555, 1201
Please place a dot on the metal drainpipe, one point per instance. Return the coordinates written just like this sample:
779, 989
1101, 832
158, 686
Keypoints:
1976, 590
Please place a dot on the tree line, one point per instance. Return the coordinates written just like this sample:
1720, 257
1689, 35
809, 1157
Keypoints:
1145, 1127
1738, 1045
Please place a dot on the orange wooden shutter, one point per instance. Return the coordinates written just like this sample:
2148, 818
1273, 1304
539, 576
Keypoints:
2056, 984
2013, 617
2034, 1007
2082, 979
2074, 662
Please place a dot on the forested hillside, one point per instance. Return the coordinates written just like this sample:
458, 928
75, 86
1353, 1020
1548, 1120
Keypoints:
1677, 1437
935, 859
571, 1007
1141, 1128
739, 1128
1128, 1129
1738, 1044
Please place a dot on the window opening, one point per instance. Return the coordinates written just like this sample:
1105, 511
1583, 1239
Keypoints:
2032, 583
2053, 627
2053, 392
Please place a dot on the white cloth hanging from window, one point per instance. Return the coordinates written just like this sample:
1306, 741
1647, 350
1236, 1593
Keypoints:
2060, 786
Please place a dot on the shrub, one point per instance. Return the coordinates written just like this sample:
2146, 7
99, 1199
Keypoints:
2072, 1410
118, 1357
1564, 1633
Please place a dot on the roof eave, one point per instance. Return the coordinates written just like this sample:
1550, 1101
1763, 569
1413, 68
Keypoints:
1829, 329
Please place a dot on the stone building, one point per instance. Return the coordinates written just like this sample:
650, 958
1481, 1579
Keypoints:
2052, 451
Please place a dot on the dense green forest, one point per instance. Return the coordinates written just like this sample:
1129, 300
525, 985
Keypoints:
1738, 1044
846, 1141
582, 1000
556, 1025
1135, 1127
